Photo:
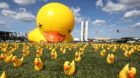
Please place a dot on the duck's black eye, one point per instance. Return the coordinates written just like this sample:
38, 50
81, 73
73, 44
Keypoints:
69, 31
40, 25
68, 64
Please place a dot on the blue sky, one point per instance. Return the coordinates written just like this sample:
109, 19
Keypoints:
104, 16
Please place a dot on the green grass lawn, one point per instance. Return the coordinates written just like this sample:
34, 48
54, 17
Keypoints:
92, 64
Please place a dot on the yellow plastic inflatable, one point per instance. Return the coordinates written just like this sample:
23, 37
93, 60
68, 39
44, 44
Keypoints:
55, 22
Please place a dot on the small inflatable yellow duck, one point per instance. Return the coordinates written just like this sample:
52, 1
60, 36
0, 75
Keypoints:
17, 62
53, 54
6, 57
69, 68
77, 56
110, 58
3, 75
55, 22
39, 52
127, 73
127, 53
38, 64
103, 52
25, 53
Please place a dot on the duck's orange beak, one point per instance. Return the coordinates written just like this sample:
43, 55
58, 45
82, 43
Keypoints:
111, 58
1, 57
38, 52
66, 67
53, 37
76, 56
13, 60
131, 75
52, 55
37, 63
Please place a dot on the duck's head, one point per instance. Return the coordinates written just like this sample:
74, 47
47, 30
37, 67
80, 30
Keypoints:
55, 20
2, 56
37, 61
14, 58
77, 54
67, 65
132, 72
53, 54
111, 57
38, 51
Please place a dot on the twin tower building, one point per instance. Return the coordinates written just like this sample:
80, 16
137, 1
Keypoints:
84, 31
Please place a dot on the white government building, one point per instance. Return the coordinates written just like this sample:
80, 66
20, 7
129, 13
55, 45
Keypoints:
84, 30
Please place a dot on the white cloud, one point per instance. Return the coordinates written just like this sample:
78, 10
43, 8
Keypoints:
99, 3
4, 5
130, 3
9, 13
136, 25
113, 7
76, 12
99, 22
25, 2
2, 23
132, 13
121, 5
22, 15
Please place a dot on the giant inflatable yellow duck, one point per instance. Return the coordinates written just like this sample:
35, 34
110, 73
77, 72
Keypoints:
55, 22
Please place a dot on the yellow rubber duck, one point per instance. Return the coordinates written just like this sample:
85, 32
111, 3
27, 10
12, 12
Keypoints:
110, 58
55, 22
53, 54
64, 51
96, 49
115, 49
4, 49
69, 68
132, 50
3, 75
39, 52
127, 53
81, 50
17, 62
103, 52
38, 64
77, 56
6, 57
25, 53
127, 73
